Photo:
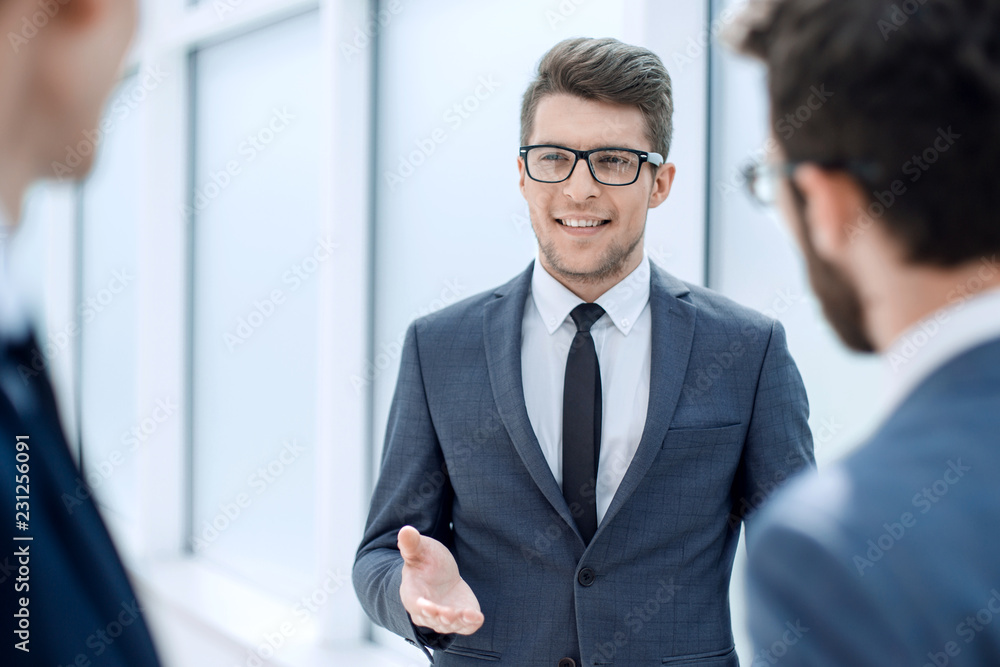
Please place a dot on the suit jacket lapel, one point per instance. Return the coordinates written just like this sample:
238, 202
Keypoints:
673, 322
502, 335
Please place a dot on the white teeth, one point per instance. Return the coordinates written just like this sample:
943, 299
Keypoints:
582, 223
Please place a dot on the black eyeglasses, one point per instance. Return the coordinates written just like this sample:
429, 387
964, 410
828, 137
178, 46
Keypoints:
546, 163
762, 179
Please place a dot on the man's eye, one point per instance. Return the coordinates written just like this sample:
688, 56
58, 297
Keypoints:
616, 160
552, 157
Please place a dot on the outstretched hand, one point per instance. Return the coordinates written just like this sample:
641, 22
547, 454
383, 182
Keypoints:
433, 592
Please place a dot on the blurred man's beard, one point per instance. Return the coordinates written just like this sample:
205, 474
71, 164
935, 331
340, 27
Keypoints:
837, 294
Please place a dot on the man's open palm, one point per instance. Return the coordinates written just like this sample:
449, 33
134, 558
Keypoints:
433, 592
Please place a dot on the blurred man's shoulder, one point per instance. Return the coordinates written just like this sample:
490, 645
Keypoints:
911, 495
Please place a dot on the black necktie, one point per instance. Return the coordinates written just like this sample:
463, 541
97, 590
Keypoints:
582, 422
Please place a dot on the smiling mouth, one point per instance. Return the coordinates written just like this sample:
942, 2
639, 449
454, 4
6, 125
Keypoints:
580, 224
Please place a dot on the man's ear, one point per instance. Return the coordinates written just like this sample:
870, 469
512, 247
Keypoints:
832, 200
662, 183
523, 173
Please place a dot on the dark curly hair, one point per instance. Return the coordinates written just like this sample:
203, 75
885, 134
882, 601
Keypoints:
914, 89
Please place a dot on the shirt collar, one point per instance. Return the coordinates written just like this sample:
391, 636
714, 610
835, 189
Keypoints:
623, 303
938, 338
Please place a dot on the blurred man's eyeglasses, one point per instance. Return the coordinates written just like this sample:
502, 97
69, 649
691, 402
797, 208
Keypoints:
762, 180
609, 166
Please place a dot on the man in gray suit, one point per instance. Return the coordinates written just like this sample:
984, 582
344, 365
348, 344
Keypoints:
569, 457
891, 557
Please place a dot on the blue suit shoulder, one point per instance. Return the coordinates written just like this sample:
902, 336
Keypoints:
722, 312
886, 549
944, 430
467, 312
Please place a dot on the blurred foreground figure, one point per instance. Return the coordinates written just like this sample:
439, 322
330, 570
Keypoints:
64, 596
892, 556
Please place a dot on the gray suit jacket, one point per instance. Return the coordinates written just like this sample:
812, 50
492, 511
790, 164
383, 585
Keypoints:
892, 557
727, 422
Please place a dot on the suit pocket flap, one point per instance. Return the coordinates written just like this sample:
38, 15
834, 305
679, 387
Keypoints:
724, 658
467, 652
681, 438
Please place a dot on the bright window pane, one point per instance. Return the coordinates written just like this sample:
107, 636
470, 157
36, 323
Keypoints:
255, 210
112, 433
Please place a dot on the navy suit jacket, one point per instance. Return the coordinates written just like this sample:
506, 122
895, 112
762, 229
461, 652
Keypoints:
726, 423
892, 556
81, 609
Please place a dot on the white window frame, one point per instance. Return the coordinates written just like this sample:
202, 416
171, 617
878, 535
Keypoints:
215, 605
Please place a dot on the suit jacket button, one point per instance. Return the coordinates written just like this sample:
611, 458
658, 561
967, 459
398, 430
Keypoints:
586, 577
567, 662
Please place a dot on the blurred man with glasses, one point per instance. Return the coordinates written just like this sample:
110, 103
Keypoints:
65, 598
569, 457
891, 556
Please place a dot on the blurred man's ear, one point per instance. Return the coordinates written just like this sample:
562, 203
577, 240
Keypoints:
832, 201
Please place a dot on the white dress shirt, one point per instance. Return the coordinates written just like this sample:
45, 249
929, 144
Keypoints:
13, 313
622, 338
935, 340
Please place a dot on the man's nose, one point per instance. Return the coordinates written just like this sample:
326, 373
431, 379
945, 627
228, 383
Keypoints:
581, 184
